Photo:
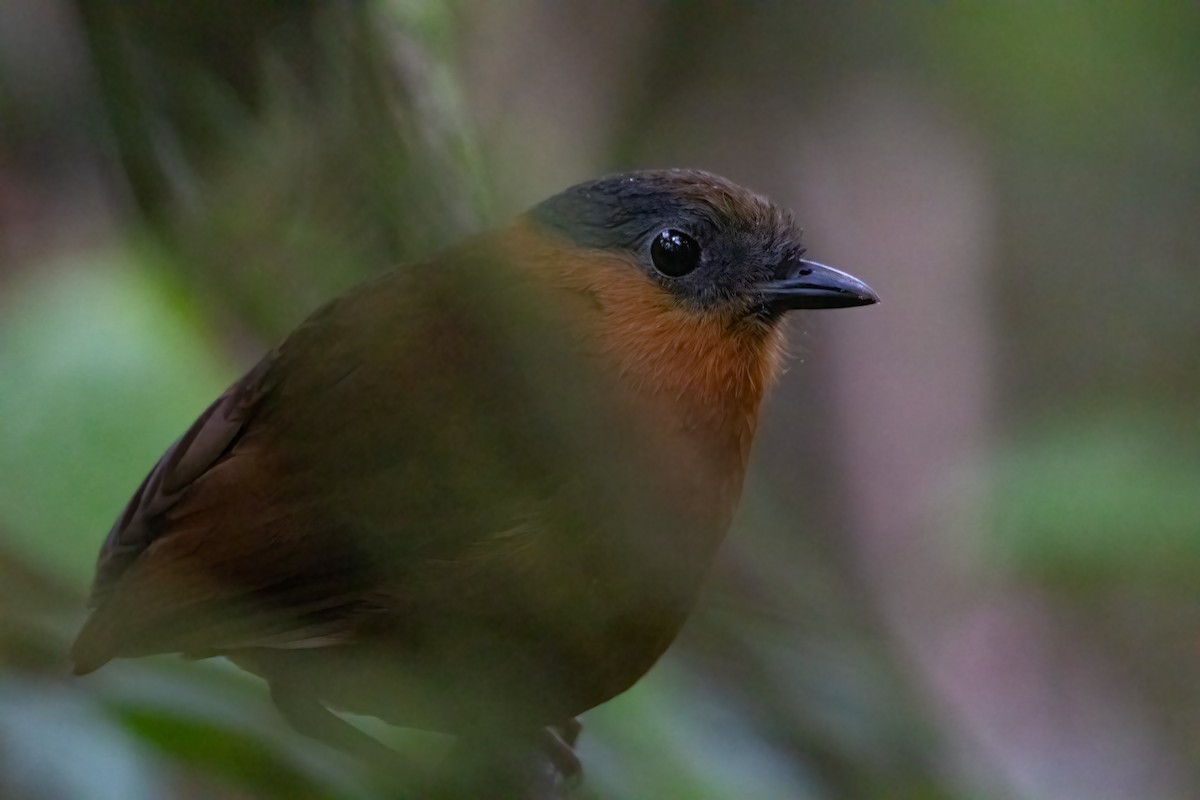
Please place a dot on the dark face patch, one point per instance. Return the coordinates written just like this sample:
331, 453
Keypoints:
744, 239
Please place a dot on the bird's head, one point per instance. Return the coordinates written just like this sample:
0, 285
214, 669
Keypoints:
710, 245
690, 273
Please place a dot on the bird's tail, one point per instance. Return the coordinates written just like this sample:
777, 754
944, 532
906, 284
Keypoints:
93, 647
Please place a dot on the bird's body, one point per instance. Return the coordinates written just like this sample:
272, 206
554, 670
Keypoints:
477, 492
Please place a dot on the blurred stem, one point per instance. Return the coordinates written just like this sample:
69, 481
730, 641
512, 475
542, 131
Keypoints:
284, 150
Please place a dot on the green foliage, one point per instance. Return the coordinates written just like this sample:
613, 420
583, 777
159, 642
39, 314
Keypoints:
104, 366
1103, 501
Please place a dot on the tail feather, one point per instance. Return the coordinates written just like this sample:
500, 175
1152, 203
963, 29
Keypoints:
93, 647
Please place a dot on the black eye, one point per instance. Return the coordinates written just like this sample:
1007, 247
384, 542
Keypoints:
674, 253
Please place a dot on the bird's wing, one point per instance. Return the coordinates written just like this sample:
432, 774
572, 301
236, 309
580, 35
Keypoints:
194, 563
304, 505
225, 543
210, 438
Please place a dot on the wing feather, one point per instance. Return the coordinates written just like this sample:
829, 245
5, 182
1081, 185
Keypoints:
353, 480
210, 438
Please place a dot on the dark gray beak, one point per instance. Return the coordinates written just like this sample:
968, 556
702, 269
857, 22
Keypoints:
807, 284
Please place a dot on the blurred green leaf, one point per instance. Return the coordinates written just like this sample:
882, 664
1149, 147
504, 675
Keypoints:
1102, 501
101, 367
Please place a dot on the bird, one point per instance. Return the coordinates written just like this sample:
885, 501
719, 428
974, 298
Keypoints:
477, 494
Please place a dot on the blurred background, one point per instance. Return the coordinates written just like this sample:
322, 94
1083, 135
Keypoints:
968, 557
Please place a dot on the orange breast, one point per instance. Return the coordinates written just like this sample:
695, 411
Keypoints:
697, 377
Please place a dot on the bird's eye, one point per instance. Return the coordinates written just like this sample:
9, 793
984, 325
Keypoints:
674, 253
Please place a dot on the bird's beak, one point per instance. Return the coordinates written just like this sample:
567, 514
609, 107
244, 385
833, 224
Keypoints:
807, 284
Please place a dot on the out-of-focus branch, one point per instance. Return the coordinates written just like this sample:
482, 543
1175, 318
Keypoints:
281, 150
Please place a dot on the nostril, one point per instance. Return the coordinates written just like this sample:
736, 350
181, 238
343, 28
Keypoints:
805, 271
